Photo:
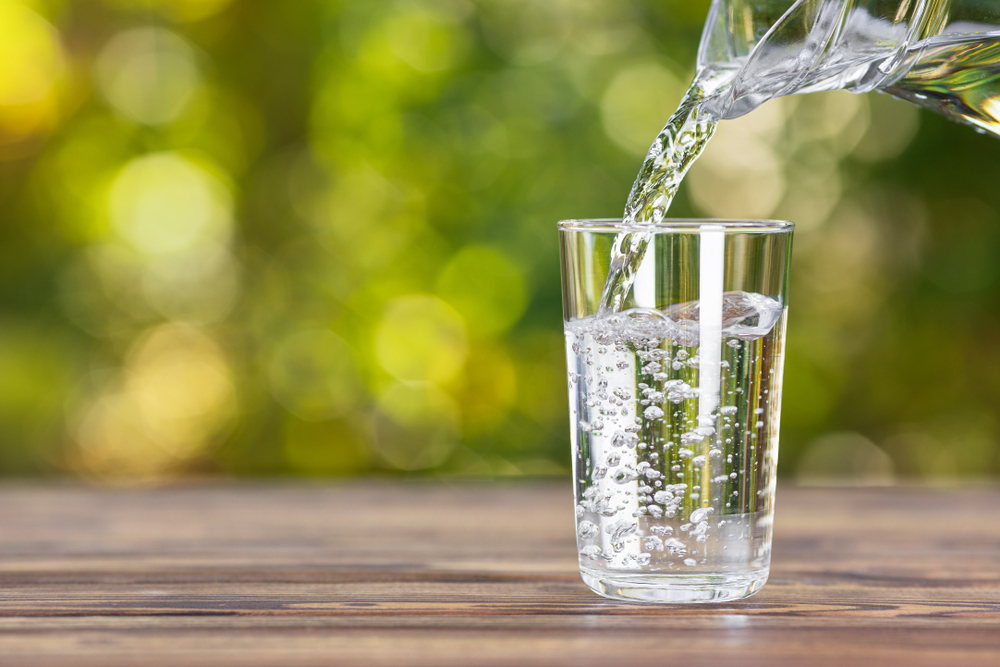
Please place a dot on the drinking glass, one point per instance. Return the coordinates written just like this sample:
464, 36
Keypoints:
674, 400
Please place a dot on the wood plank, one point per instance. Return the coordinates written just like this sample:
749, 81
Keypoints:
380, 573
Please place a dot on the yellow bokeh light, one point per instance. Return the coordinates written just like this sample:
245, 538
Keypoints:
892, 125
739, 175
837, 116
486, 287
181, 385
173, 398
366, 213
148, 74
427, 41
200, 286
421, 338
31, 64
30, 54
165, 203
637, 103
114, 443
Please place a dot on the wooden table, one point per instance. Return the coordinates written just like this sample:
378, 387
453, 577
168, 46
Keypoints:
473, 574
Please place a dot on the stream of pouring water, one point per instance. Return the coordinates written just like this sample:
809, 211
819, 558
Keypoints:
956, 75
670, 157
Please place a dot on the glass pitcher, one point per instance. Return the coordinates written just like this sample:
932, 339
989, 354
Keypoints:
939, 54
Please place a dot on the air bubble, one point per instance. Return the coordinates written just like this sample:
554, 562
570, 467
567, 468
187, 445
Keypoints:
701, 514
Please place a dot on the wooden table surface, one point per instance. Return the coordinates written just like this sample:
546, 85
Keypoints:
468, 574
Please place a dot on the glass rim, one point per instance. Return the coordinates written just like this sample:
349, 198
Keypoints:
679, 226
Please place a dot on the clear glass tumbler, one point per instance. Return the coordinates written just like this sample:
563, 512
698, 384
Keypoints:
674, 404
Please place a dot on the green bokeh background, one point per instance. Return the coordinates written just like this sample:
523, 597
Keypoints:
248, 237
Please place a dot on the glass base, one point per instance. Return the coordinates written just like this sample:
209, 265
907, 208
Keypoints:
674, 588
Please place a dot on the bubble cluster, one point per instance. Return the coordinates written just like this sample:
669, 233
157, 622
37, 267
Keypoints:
659, 480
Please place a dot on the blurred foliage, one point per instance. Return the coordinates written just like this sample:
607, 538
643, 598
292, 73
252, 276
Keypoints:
318, 238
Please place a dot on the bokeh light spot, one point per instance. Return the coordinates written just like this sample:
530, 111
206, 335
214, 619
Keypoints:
425, 40
485, 287
30, 54
32, 69
738, 176
421, 338
114, 444
893, 125
199, 286
637, 103
174, 397
366, 219
182, 386
164, 203
148, 74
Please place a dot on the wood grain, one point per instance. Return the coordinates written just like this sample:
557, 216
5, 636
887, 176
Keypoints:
473, 574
